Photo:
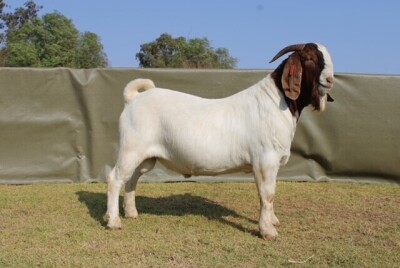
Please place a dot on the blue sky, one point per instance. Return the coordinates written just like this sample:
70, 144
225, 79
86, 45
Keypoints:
362, 36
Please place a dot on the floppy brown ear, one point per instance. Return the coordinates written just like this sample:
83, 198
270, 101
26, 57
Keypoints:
291, 77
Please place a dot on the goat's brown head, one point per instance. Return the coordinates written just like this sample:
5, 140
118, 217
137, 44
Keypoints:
306, 77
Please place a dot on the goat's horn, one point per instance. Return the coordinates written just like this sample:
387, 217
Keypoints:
287, 49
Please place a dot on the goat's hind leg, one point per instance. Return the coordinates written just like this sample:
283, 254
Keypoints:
130, 188
120, 174
112, 214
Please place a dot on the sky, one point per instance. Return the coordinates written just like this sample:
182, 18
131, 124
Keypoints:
362, 36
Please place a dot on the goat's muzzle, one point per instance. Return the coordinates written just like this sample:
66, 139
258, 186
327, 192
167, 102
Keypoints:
325, 87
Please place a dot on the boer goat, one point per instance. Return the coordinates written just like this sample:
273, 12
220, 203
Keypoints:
250, 131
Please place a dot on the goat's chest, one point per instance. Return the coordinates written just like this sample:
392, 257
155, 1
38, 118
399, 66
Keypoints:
277, 131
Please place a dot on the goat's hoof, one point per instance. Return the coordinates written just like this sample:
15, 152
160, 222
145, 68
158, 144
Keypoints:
114, 224
131, 214
270, 234
269, 237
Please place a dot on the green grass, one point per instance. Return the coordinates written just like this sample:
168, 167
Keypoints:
201, 225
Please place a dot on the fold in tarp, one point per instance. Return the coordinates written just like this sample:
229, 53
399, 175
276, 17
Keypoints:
61, 125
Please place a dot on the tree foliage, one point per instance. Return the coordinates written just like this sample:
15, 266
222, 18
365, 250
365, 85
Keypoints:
169, 52
14, 21
48, 41
90, 52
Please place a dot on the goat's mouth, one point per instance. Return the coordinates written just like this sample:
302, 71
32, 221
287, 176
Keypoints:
325, 86
323, 89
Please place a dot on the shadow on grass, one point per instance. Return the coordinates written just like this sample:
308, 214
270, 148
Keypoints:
174, 205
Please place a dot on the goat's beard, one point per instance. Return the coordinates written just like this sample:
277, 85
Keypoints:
323, 97
319, 103
322, 102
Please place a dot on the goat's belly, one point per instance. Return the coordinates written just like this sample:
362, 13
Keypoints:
206, 168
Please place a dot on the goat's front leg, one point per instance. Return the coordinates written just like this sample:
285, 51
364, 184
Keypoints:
265, 176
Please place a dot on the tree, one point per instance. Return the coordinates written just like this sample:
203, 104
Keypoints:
49, 41
90, 51
21, 16
11, 22
169, 52
2, 5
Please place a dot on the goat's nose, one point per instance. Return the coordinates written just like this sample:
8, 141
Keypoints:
329, 80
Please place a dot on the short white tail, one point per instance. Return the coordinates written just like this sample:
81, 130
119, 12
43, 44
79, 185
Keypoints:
133, 87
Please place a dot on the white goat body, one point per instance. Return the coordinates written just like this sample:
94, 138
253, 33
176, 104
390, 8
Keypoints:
197, 136
250, 131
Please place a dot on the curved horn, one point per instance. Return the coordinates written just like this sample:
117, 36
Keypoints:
287, 49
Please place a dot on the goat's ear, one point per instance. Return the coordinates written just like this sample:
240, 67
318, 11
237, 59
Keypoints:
291, 76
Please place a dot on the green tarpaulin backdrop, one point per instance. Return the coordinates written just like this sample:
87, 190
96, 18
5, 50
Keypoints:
61, 125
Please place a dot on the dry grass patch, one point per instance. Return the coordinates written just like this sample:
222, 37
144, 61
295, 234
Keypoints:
201, 225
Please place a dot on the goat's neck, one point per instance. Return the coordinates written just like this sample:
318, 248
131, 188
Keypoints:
269, 88
295, 106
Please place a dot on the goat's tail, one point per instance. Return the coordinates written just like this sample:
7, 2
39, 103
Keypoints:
133, 87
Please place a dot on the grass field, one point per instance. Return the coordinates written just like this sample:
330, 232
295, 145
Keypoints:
201, 225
